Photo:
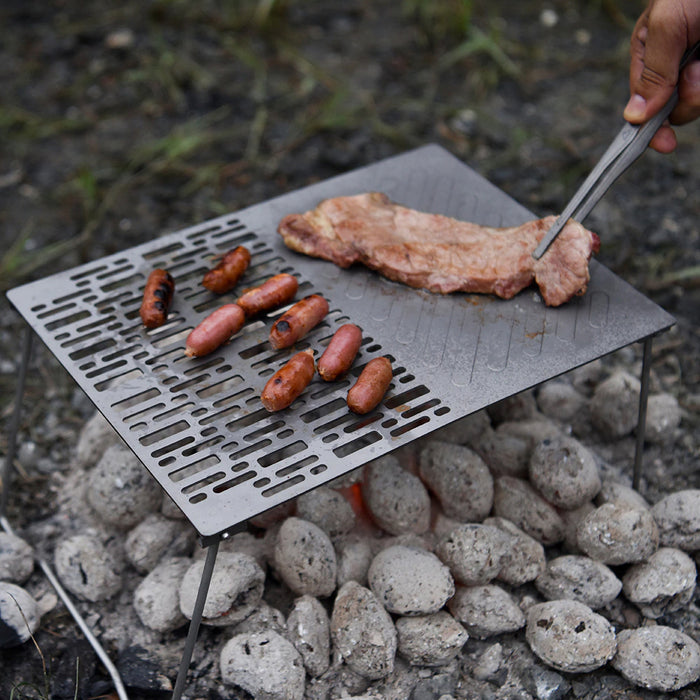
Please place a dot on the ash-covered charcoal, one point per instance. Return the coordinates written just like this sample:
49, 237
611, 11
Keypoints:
397, 500
663, 584
236, 588
486, 611
362, 631
305, 558
410, 581
516, 500
659, 658
474, 553
677, 517
569, 636
616, 533
573, 577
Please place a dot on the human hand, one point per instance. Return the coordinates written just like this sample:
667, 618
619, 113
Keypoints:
662, 34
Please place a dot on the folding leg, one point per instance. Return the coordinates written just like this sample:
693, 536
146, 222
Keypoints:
196, 620
642, 416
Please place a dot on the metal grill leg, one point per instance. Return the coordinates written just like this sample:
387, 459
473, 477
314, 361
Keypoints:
642, 416
196, 620
14, 424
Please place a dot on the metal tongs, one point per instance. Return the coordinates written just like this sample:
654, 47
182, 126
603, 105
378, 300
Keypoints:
626, 147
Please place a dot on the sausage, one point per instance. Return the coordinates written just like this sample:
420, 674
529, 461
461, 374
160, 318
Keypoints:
157, 296
297, 321
288, 382
340, 353
214, 330
274, 292
371, 385
224, 276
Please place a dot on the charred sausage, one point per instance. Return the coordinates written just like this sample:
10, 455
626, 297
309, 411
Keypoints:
371, 385
297, 321
288, 382
224, 276
157, 296
274, 292
214, 330
340, 353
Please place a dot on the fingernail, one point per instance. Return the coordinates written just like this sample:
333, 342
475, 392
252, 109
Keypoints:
635, 108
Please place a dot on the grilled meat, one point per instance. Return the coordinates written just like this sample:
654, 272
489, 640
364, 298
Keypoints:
441, 254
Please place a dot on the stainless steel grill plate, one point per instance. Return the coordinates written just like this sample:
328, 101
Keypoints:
198, 425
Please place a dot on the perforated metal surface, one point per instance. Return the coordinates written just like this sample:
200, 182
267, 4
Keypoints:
198, 425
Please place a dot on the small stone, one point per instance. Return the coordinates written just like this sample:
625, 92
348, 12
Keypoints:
430, 640
569, 636
328, 509
564, 472
516, 500
663, 584
396, 499
264, 664
362, 632
16, 558
120, 489
235, 589
156, 537
486, 610
305, 559
658, 658
579, 578
662, 418
616, 533
474, 553
86, 568
615, 405
410, 581
157, 597
459, 478
524, 559
309, 630
19, 615
678, 519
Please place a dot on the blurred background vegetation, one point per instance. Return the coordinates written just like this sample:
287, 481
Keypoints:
123, 120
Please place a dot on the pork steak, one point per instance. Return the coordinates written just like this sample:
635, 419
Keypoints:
441, 254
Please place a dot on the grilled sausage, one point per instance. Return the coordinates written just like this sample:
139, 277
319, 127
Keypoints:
157, 296
224, 276
297, 321
214, 330
340, 353
288, 382
371, 386
274, 292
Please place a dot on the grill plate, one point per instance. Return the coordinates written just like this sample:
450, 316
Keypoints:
197, 424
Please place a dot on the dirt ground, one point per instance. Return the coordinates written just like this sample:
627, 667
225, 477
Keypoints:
121, 121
